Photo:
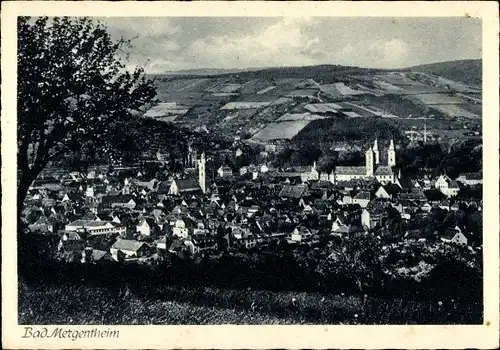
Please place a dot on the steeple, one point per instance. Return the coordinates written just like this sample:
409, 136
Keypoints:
201, 173
391, 154
376, 152
369, 162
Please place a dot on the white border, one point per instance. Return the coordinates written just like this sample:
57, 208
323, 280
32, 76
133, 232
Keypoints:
481, 336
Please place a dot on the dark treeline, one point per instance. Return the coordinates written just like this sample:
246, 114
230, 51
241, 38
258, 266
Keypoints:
454, 160
285, 271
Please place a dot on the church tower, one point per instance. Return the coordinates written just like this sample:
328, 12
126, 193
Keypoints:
376, 152
369, 162
201, 173
391, 154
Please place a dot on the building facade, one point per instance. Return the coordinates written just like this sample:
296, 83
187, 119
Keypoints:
372, 169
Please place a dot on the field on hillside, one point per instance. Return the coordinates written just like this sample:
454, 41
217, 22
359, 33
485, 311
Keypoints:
466, 71
283, 130
51, 304
439, 99
455, 110
248, 103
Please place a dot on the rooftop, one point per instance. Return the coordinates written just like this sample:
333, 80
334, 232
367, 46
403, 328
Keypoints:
350, 170
296, 191
126, 244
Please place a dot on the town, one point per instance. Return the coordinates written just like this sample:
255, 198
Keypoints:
128, 215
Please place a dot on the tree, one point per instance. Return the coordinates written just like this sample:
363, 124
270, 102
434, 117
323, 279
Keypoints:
72, 88
357, 259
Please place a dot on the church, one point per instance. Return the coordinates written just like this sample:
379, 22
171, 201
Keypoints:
372, 169
191, 185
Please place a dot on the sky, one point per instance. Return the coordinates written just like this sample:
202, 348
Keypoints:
164, 44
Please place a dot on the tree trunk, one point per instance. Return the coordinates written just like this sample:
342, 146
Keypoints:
26, 178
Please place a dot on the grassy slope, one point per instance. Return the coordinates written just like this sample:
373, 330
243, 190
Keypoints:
51, 304
466, 71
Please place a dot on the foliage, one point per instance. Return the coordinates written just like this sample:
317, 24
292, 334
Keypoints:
413, 275
356, 258
461, 158
343, 129
72, 88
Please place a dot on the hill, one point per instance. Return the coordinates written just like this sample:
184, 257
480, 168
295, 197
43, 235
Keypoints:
206, 71
316, 72
465, 71
319, 72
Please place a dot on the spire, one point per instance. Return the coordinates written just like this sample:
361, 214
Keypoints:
391, 145
369, 162
391, 154
376, 152
201, 173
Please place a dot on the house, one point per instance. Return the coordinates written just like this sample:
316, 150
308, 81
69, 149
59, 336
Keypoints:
180, 230
71, 197
373, 216
314, 174
48, 183
387, 191
119, 201
161, 244
248, 241
89, 192
362, 198
185, 186
70, 236
300, 234
71, 250
414, 195
346, 229
130, 249
471, 179
151, 185
297, 191
339, 227
43, 225
67, 241
95, 227
204, 244
225, 171
336, 224
454, 236
347, 199
447, 186
90, 255
147, 227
